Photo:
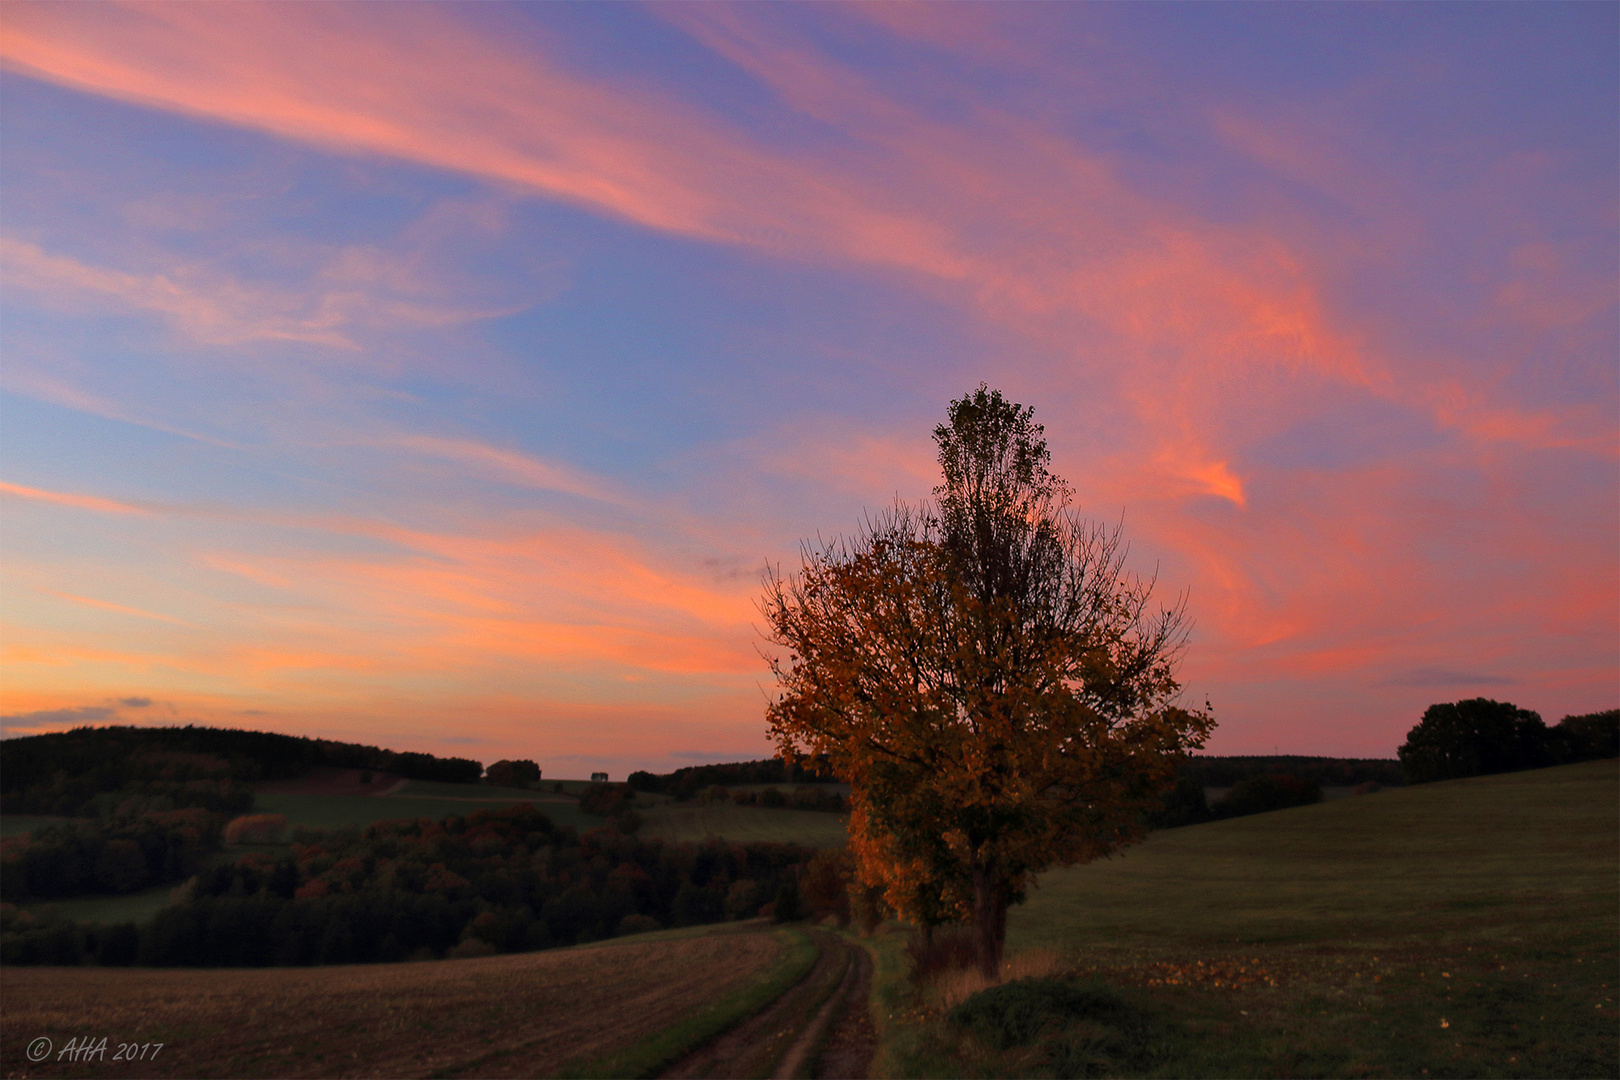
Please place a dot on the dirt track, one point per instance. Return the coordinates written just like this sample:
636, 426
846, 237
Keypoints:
821, 1027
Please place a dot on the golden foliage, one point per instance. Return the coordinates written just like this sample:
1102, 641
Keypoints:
986, 676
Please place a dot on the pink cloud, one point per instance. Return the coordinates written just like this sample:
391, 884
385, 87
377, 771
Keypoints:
1214, 337
82, 502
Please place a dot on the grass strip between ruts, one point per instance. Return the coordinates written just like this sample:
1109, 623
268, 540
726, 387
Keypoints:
658, 1051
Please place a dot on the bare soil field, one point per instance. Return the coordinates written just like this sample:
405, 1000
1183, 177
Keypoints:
516, 1015
325, 781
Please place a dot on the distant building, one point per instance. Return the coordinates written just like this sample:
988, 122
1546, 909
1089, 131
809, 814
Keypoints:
598, 777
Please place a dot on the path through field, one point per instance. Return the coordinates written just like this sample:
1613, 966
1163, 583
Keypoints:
821, 1027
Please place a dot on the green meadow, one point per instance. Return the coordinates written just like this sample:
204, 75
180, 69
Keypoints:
744, 824
1467, 928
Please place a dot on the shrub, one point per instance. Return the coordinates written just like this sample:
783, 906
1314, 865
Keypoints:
772, 797
256, 829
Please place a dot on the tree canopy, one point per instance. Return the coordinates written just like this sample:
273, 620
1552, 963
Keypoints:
985, 674
1479, 736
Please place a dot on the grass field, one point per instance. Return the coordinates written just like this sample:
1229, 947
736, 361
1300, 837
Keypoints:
335, 811
1469, 928
518, 1015
744, 824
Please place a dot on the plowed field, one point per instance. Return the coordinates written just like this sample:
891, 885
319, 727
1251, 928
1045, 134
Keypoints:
517, 1015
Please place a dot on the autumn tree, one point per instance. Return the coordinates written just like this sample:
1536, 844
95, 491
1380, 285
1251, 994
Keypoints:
985, 675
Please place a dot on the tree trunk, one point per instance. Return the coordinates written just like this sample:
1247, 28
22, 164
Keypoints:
989, 922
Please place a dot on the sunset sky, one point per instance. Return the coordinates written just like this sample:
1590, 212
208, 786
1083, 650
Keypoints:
443, 377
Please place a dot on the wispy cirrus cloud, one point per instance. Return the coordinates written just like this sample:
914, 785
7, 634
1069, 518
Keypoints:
1192, 324
63, 498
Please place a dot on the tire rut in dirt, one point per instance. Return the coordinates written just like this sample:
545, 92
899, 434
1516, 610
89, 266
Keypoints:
847, 1049
757, 1046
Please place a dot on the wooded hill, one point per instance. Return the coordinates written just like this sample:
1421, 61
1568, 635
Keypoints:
91, 770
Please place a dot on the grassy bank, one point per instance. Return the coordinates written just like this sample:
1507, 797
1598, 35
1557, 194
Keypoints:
1467, 928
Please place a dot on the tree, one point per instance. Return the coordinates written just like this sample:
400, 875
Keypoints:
518, 774
986, 677
1473, 738
1586, 738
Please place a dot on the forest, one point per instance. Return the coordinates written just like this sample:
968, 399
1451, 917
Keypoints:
505, 880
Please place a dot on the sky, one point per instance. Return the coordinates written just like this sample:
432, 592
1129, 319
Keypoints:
444, 377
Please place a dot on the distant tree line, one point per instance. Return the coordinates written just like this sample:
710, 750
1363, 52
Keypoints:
100, 771
688, 782
1225, 772
1479, 737
504, 880
122, 855
1188, 804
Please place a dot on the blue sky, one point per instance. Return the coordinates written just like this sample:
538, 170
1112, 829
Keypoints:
447, 380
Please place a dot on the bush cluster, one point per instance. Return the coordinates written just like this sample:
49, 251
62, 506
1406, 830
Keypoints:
117, 856
502, 880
